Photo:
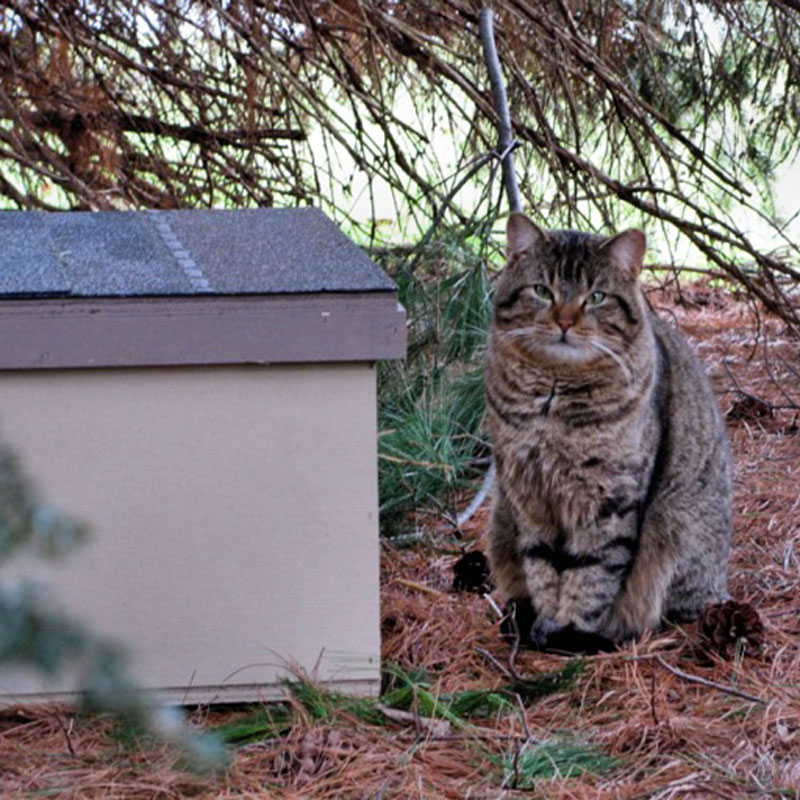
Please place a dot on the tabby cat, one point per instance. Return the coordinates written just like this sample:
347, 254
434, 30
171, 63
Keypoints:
612, 508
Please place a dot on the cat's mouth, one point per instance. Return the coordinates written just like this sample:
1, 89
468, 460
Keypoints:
566, 347
571, 347
545, 344
567, 340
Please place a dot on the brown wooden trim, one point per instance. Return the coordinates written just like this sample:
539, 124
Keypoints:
161, 331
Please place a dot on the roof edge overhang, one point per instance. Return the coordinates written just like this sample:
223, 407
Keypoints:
200, 330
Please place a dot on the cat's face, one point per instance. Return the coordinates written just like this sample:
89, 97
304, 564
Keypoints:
567, 297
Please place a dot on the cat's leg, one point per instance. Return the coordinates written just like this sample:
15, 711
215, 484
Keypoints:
587, 595
662, 545
502, 550
680, 565
641, 603
530, 584
593, 568
542, 582
698, 582
701, 576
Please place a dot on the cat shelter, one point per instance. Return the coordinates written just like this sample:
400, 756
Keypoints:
200, 388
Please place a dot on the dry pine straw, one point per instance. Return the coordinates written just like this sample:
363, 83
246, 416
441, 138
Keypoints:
673, 737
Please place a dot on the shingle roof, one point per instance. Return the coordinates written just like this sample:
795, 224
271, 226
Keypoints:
190, 252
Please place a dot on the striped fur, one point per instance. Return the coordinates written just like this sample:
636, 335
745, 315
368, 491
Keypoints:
612, 508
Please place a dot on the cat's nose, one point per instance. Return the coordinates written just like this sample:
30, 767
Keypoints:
565, 319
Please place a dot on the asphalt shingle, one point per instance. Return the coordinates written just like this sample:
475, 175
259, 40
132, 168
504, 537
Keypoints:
153, 253
29, 264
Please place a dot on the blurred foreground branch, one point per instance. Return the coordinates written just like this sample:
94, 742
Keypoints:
35, 637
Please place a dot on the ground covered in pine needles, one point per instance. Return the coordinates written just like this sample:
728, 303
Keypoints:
463, 715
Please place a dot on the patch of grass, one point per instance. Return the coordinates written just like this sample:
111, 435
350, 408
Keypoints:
405, 690
555, 758
324, 706
456, 707
321, 705
408, 691
277, 719
546, 683
273, 721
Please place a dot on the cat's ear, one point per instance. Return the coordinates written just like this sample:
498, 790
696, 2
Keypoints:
627, 249
522, 234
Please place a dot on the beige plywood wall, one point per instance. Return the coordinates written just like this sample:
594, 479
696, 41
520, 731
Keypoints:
233, 514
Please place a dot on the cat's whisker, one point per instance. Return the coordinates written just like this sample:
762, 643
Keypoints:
617, 358
516, 333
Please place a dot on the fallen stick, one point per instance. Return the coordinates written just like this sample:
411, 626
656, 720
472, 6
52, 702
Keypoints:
510, 672
687, 676
418, 587
436, 727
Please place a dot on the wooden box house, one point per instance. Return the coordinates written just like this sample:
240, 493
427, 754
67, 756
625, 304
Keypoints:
200, 387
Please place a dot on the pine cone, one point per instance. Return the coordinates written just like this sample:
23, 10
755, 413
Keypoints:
471, 573
724, 625
748, 407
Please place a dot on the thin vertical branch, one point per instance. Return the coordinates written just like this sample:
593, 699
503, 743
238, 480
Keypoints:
506, 143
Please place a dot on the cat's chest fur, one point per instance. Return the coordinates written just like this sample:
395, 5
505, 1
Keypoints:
559, 477
583, 450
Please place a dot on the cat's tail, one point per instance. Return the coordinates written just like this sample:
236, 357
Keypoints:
477, 501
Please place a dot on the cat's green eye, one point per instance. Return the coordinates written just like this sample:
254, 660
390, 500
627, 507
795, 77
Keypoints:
542, 292
595, 298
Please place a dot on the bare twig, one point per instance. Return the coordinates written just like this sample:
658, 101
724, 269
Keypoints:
705, 682
510, 673
65, 731
418, 587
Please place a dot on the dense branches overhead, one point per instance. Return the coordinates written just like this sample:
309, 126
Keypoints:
657, 111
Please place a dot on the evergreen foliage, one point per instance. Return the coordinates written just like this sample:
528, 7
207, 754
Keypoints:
405, 690
431, 406
563, 757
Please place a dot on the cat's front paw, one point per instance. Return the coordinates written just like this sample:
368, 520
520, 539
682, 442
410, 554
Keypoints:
543, 629
570, 639
522, 623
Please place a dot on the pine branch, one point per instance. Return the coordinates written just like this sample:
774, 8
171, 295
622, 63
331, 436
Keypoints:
139, 123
